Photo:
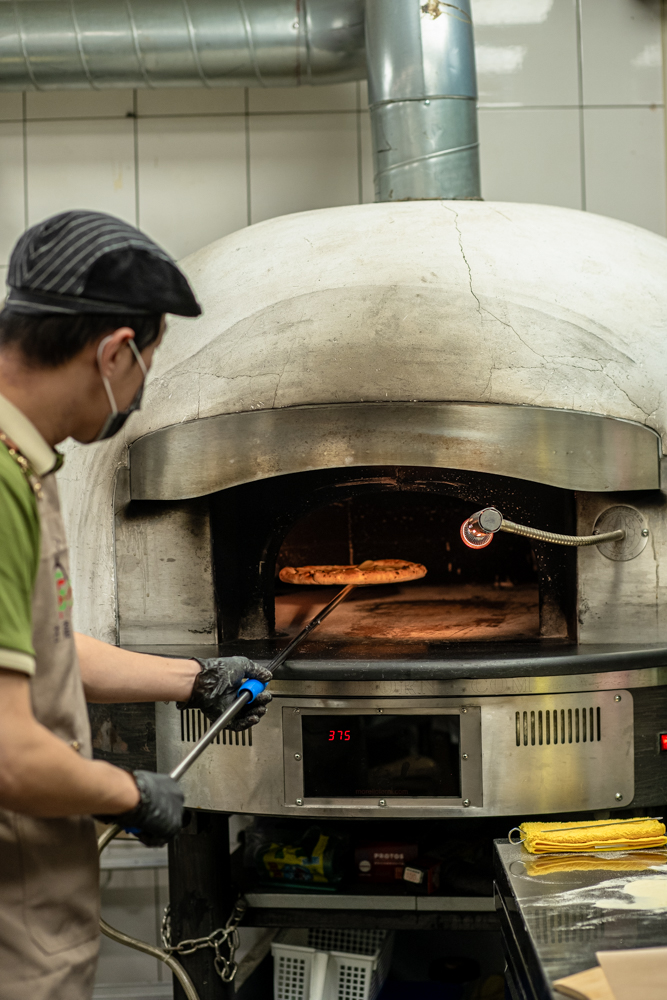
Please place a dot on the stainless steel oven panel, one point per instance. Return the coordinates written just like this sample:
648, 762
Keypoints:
529, 778
243, 778
470, 756
523, 773
465, 688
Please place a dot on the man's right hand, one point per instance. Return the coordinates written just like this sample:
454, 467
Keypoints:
159, 815
42, 775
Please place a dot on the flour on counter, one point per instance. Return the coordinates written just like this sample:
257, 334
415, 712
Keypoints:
644, 893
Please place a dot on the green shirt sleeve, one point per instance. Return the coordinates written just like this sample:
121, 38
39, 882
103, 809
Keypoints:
19, 561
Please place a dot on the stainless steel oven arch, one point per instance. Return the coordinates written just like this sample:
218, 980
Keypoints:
565, 448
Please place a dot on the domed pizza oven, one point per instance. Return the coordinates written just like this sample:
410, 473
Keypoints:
364, 379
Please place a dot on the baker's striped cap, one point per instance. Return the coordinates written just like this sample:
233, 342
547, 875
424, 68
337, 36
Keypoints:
82, 261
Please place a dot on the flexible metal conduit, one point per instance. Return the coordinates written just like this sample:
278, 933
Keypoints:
422, 90
99, 44
131, 942
578, 541
478, 531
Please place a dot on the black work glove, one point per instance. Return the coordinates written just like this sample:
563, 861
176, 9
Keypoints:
159, 815
216, 687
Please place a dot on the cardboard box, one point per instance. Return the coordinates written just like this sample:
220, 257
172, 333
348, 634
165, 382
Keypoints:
383, 862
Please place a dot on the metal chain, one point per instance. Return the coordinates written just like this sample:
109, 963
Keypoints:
23, 464
227, 937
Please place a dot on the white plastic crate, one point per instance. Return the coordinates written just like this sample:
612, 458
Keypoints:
320, 963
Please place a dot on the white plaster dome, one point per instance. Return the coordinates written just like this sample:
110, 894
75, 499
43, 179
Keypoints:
470, 301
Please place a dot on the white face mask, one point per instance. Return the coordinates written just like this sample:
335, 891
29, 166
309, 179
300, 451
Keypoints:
117, 418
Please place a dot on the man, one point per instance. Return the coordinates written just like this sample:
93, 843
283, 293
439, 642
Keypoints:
84, 315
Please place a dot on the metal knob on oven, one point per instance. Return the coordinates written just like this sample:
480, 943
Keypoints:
631, 522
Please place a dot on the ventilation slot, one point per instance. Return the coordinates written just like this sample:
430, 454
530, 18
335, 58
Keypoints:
567, 725
194, 724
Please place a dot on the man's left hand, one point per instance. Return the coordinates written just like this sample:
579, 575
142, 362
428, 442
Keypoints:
216, 687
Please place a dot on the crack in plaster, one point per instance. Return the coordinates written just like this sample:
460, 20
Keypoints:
502, 214
233, 378
658, 405
463, 254
516, 334
626, 394
480, 307
544, 357
280, 377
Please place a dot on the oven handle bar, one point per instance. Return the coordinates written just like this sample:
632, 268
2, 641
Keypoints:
247, 693
251, 688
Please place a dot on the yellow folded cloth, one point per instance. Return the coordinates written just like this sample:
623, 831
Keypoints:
603, 835
547, 864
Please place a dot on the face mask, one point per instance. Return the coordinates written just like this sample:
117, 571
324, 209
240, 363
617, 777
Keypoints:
117, 418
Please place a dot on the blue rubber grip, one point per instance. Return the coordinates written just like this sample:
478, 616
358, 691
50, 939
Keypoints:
254, 687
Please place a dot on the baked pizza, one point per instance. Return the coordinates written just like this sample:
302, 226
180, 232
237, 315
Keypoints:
366, 573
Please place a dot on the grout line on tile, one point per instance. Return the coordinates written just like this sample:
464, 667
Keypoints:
360, 171
248, 192
569, 107
580, 86
135, 135
296, 114
24, 129
246, 114
286, 114
663, 40
133, 116
194, 114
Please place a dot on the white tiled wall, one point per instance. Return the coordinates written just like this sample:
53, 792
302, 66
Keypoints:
571, 105
133, 901
571, 113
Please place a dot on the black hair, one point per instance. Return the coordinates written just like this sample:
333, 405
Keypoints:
50, 341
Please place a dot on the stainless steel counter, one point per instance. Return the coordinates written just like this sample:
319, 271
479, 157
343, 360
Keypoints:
554, 922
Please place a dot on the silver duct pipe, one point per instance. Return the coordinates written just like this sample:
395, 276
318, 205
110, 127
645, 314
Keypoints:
421, 65
99, 44
422, 90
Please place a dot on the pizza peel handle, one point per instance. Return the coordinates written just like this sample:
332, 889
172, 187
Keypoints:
251, 688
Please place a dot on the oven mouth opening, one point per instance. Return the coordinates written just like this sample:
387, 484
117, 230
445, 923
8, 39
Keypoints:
514, 591
465, 596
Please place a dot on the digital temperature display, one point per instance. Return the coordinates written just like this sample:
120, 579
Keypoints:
347, 756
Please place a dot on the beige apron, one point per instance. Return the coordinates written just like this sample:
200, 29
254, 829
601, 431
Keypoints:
49, 895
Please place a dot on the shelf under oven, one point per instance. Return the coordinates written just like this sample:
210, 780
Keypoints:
359, 901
